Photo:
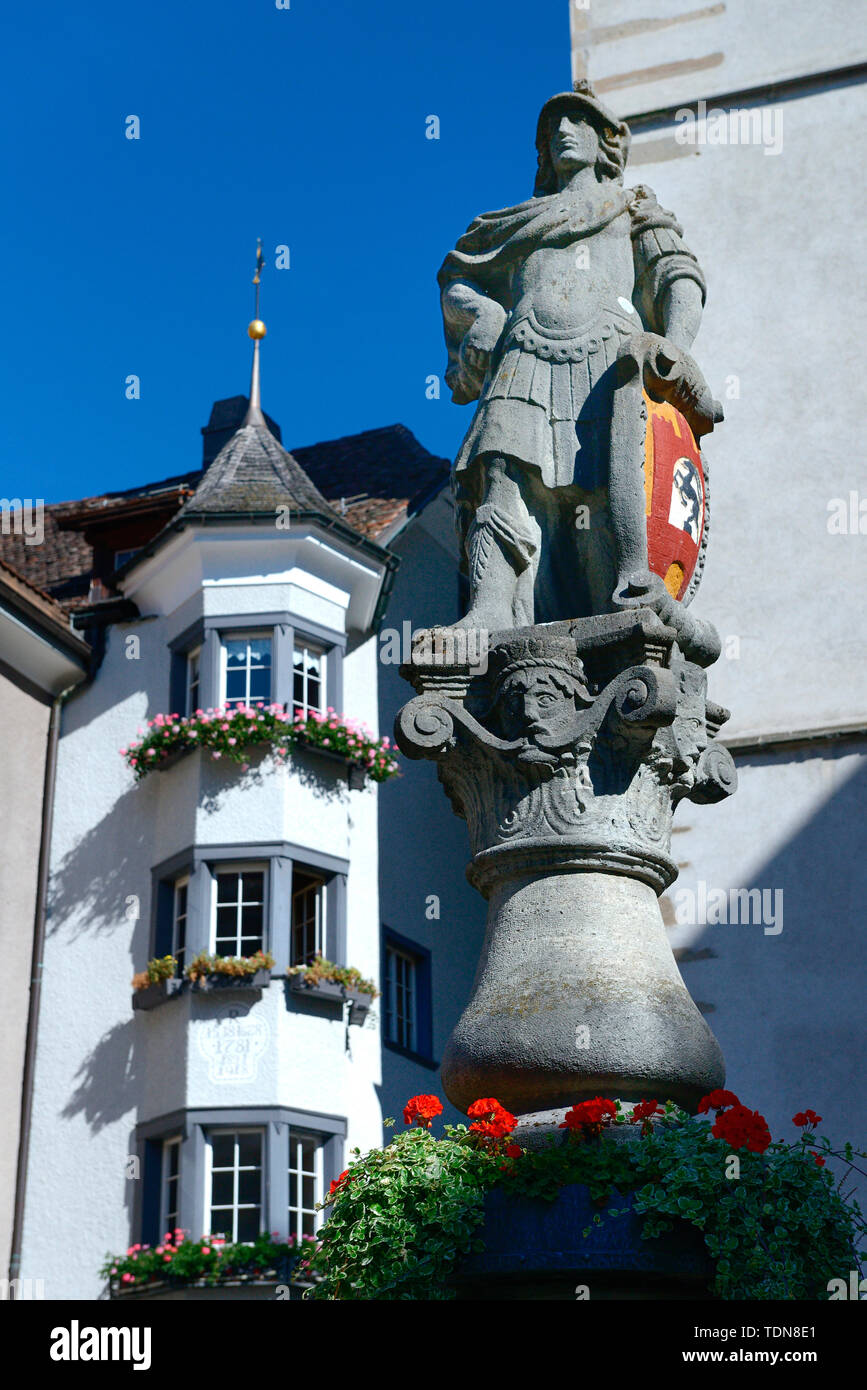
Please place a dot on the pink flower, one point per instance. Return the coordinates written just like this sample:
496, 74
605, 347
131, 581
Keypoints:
166, 1259
126, 1278
216, 755
206, 1249
232, 741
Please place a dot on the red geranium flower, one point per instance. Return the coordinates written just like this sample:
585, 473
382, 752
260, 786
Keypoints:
491, 1118
421, 1110
806, 1117
818, 1160
513, 1151
716, 1100
645, 1109
588, 1116
336, 1182
743, 1129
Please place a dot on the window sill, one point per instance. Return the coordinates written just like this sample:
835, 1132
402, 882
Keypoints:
327, 991
155, 995
411, 1056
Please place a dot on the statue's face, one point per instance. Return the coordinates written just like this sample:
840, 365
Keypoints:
533, 707
574, 145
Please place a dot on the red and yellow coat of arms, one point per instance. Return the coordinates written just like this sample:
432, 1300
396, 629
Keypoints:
675, 496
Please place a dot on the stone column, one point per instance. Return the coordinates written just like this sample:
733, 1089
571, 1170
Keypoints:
567, 756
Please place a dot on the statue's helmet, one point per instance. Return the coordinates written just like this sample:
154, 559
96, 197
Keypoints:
581, 103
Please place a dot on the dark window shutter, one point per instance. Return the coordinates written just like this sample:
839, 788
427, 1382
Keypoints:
178, 684
164, 914
150, 1197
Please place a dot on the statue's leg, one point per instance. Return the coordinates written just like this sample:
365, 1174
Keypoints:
502, 546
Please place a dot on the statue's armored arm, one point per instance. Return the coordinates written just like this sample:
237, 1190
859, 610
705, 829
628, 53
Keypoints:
670, 285
474, 321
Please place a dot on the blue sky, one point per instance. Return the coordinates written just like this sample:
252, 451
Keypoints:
303, 126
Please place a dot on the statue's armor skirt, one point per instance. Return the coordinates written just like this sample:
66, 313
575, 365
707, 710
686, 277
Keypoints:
537, 387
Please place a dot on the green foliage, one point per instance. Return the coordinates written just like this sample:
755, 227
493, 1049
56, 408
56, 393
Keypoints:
346, 975
403, 1216
160, 968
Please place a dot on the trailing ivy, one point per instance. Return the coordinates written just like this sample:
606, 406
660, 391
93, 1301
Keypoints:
772, 1218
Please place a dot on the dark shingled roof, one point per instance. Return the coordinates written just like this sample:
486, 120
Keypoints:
373, 481
254, 473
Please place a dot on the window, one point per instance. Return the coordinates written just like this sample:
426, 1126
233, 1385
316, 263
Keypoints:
234, 1184
306, 1153
400, 998
308, 678
239, 912
179, 923
236, 1172
407, 1004
194, 664
171, 1181
121, 556
246, 664
308, 916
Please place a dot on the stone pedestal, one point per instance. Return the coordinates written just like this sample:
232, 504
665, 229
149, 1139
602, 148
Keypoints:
566, 751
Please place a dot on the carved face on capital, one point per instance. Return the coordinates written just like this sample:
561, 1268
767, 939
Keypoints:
542, 705
574, 145
690, 726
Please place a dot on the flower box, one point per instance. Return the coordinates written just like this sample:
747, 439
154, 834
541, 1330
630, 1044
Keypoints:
537, 1249
341, 765
217, 980
333, 993
154, 995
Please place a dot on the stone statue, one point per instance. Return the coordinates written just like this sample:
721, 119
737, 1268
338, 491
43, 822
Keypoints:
557, 313
582, 511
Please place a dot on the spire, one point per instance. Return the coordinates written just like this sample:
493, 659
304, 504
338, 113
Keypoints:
256, 330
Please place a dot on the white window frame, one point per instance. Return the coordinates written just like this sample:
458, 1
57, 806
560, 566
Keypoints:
301, 644
295, 1215
166, 1224
240, 867
390, 1014
179, 883
260, 635
210, 1135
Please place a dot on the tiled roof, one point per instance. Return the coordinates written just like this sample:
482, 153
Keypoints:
254, 473
372, 480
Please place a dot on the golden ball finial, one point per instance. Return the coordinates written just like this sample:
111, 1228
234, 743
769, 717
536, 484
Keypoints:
257, 329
